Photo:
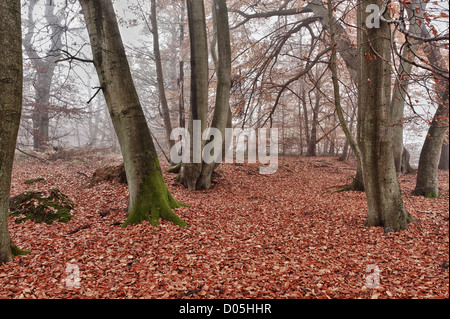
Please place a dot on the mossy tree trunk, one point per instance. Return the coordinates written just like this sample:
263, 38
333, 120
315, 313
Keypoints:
385, 205
11, 79
149, 197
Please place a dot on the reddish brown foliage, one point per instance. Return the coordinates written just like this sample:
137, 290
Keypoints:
252, 236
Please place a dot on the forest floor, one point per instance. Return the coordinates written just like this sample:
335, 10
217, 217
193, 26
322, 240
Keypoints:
286, 235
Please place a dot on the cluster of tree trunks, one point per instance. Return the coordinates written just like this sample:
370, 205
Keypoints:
199, 175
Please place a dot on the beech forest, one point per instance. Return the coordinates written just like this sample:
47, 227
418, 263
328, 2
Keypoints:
244, 152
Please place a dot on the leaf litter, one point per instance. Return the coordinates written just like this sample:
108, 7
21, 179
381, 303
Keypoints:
285, 235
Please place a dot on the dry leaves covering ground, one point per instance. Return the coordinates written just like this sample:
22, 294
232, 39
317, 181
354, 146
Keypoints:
285, 235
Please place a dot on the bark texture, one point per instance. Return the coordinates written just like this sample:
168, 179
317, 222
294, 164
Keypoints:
11, 79
149, 198
197, 174
160, 76
222, 113
385, 206
415, 10
45, 70
190, 172
427, 177
444, 160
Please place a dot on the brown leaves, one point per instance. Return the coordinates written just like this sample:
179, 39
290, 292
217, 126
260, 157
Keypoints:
251, 236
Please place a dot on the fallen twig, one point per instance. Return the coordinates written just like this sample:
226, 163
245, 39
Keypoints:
78, 229
43, 160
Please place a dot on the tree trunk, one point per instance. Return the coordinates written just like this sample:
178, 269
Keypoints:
11, 79
305, 111
149, 197
345, 46
160, 77
315, 122
443, 161
336, 91
190, 172
345, 153
415, 11
181, 116
427, 179
45, 70
222, 113
197, 173
384, 200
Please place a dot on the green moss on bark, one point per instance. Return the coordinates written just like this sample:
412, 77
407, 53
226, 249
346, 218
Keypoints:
431, 195
154, 202
15, 251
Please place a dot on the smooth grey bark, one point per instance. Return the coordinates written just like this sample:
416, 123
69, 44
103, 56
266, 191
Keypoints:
149, 197
427, 177
11, 81
222, 112
190, 172
385, 205
349, 53
198, 175
312, 141
427, 172
344, 45
415, 10
444, 160
305, 112
181, 113
160, 76
336, 91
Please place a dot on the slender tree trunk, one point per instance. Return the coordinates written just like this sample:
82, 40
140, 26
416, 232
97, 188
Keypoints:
427, 172
190, 172
415, 11
45, 70
345, 47
427, 177
337, 96
222, 112
160, 76
182, 120
197, 173
300, 128
384, 200
444, 160
345, 153
305, 112
149, 198
11, 79
313, 137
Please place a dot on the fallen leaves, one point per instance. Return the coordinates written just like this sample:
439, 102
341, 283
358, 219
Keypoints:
251, 236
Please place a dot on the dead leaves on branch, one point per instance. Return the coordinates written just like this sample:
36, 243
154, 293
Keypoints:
251, 236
